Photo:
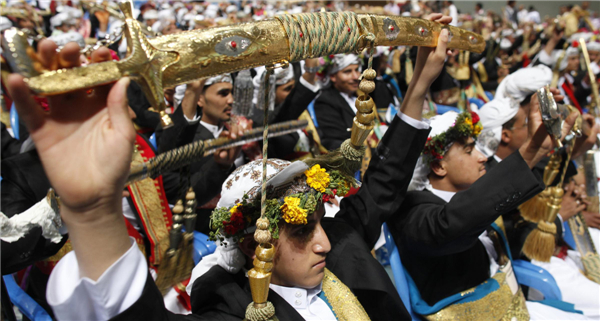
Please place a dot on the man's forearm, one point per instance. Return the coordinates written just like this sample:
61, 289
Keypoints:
412, 106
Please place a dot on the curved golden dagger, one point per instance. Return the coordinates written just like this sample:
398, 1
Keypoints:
180, 58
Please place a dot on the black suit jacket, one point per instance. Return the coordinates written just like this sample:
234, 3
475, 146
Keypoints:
438, 241
10, 145
218, 295
334, 116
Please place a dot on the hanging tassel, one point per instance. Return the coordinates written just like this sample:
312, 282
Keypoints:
243, 92
186, 258
541, 242
396, 65
534, 210
167, 271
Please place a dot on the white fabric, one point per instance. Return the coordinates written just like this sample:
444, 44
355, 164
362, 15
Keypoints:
595, 235
439, 124
40, 214
214, 129
493, 116
218, 78
314, 88
75, 298
306, 302
593, 46
227, 255
351, 100
282, 77
533, 16
341, 61
524, 82
539, 311
150, 14
454, 14
71, 36
129, 214
574, 286
5, 23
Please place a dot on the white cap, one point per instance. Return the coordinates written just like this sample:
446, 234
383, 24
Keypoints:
150, 14
524, 82
493, 116
593, 46
71, 36
5, 23
231, 9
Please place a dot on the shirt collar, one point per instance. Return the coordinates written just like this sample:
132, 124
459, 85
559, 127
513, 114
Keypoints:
445, 195
214, 129
298, 298
498, 159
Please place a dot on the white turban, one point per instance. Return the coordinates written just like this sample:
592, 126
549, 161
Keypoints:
150, 14
524, 82
593, 46
71, 36
439, 124
341, 61
493, 116
232, 8
61, 18
218, 78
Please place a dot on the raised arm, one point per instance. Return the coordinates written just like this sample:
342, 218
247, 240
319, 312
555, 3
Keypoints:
390, 171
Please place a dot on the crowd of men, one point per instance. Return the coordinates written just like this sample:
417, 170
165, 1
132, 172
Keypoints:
458, 155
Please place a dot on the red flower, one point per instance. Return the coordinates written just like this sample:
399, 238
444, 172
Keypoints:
474, 117
327, 198
235, 224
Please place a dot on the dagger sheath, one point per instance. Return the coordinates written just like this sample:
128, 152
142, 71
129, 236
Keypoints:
288, 38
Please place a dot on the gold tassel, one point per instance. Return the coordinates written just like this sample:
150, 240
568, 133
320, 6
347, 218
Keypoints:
396, 65
534, 210
541, 242
591, 265
186, 258
167, 271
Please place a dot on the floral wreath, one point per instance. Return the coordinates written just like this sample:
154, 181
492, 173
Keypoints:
467, 124
327, 62
315, 186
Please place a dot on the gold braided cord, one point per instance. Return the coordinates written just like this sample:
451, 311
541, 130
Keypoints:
321, 34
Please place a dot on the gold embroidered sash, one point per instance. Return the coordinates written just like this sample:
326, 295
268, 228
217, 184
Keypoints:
342, 301
500, 304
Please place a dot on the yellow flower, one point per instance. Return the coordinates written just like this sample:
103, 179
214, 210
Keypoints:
234, 209
468, 121
317, 178
477, 130
292, 213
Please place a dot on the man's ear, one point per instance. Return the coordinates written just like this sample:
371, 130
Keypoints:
201, 101
506, 136
333, 77
439, 168
248, 246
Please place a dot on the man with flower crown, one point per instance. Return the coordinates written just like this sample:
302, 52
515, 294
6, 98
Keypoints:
323, 268
457, 264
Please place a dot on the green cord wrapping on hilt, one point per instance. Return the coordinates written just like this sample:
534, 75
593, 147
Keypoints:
321, 34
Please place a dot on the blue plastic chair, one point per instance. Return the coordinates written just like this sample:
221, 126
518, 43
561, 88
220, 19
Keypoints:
153, 141
478, 102
14, 121
538, 278
28, 307
202, 246
442, 109
568, 235
311, 112
398, 271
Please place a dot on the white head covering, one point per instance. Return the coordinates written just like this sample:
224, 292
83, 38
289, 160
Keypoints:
524, 82
61, 18
493, 116
150, 14
232, 8
218, 78
593, 46
71, 36
439, 124
5, 23
341, 61
247, 180
165, 15
505, 44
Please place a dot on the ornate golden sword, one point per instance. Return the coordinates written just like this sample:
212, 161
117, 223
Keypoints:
180, 58
593, 83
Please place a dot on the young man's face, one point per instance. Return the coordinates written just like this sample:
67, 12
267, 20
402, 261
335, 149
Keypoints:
282, 91
300, 253
516, 136
216, 102
572, 63
463, 164
346, 80
594, 55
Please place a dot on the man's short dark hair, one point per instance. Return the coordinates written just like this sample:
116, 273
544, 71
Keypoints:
479, 4
510, 124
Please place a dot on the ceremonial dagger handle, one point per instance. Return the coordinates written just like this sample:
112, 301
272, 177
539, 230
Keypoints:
285, 38
192, 152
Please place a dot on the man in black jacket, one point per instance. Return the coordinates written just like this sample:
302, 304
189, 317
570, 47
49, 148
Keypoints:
442, 229
102, 248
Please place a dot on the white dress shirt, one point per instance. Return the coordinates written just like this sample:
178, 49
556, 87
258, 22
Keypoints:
214, 129
75, 298
306, 302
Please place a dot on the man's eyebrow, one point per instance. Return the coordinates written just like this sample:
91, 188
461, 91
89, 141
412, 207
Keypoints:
472, 144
